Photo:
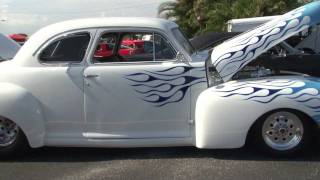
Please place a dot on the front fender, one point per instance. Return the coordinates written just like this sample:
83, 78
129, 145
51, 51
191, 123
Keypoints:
222, 122
20, 106
225, 113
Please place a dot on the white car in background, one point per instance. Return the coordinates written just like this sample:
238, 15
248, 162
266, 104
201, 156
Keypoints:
8, 48
56, 92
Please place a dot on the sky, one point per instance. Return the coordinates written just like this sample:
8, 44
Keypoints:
28, 16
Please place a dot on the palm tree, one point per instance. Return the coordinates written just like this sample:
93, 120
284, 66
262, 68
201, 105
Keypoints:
165, 9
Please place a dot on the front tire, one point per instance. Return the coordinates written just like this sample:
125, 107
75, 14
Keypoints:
283, 132
12, 139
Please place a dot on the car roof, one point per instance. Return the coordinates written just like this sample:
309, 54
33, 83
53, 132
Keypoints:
48, 32
112, 21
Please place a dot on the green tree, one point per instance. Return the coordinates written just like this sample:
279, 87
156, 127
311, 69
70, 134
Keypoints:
199, 16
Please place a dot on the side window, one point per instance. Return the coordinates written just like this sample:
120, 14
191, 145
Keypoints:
136, 47
163, 49
105, 51
69, 49
133, 47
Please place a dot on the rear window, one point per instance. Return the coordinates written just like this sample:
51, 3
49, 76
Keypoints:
69, 49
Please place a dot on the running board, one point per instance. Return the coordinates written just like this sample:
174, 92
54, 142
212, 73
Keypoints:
90, 135
101, 136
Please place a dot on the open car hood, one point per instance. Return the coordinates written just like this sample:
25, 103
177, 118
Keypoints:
231, 56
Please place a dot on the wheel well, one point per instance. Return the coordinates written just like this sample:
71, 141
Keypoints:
307, 118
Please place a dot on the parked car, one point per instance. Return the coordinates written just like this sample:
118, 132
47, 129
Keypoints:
128, 47
104, 50
131, 47
8, 48
60, 94
19, 38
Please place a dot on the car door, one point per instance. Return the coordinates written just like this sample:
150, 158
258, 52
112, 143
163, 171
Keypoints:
58, 84
141, 94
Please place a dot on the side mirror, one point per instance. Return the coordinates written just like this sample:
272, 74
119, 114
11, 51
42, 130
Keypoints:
180, 57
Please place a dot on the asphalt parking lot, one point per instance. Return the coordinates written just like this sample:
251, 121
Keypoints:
158, 163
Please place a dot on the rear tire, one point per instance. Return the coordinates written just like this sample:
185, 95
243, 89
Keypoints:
283, 132
12, 139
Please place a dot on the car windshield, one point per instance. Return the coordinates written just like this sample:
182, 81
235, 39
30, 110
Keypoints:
183, 40
8, 48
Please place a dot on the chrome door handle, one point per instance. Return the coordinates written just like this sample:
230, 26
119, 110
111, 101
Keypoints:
91, 75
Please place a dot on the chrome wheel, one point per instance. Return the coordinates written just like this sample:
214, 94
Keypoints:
282, 131
8, 132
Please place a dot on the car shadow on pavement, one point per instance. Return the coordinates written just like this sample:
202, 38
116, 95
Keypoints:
102, 154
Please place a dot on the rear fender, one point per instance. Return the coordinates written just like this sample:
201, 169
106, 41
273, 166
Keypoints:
20, 106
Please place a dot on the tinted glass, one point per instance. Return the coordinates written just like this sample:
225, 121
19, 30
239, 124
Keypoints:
105, 51
70, 49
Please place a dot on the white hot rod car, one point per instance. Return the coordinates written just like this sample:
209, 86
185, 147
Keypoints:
137, 82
